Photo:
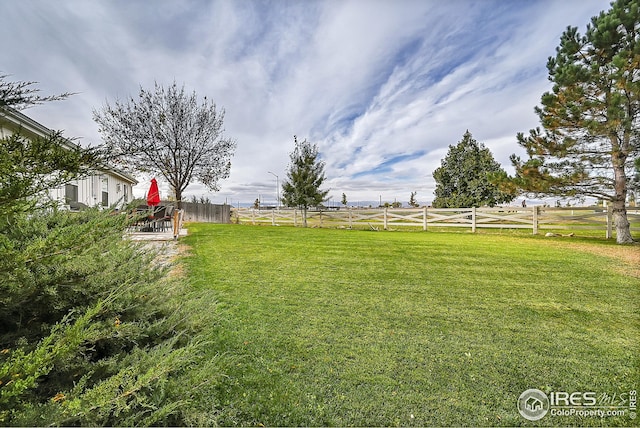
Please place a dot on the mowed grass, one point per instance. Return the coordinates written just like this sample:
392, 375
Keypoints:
340, 327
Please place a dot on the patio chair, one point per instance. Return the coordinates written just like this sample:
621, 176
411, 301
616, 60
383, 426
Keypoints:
168, 216
161, 217
143, 218
77, 206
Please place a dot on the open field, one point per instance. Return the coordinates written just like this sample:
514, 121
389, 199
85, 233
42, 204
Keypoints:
346, 327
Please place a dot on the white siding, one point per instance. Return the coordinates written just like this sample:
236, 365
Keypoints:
90, 191
118, 185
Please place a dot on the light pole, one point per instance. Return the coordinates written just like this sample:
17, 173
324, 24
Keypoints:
277, 189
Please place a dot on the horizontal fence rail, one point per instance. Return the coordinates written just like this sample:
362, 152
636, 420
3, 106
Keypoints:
536, 218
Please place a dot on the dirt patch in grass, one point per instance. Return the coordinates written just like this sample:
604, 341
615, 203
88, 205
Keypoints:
168, 253
629, 255
177, 269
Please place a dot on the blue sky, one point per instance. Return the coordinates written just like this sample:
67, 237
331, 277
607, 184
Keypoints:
382, 86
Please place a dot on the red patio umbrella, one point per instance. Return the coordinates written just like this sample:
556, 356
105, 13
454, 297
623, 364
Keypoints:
153, 197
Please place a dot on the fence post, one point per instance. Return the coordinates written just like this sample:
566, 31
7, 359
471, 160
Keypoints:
320, 218
535, 219
295, 217
253, 216
176, 224
424, 218
273, 217
385, 217
350, 221
609, 221
473, 219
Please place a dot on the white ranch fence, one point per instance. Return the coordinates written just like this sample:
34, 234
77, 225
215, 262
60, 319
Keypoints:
536, 218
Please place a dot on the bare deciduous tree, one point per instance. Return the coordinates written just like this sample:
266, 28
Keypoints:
167, 131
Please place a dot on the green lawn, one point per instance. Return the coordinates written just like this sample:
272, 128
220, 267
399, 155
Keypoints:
340, 327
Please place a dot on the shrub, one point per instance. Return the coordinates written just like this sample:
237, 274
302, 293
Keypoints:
91, 332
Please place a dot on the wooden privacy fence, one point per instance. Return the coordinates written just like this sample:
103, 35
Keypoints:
536, 218
204, 212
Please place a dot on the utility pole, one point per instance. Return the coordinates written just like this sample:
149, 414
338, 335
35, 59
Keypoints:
277, 189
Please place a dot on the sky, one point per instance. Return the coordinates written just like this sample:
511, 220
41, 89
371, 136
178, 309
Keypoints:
383, 87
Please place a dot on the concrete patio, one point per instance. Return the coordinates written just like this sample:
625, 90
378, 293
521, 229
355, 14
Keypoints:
154, 236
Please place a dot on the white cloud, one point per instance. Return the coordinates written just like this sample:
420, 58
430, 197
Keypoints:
370, 81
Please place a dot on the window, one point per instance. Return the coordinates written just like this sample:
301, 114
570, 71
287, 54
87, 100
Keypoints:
70, 193
105, 192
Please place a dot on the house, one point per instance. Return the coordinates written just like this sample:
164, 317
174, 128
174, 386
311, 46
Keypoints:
107, 187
